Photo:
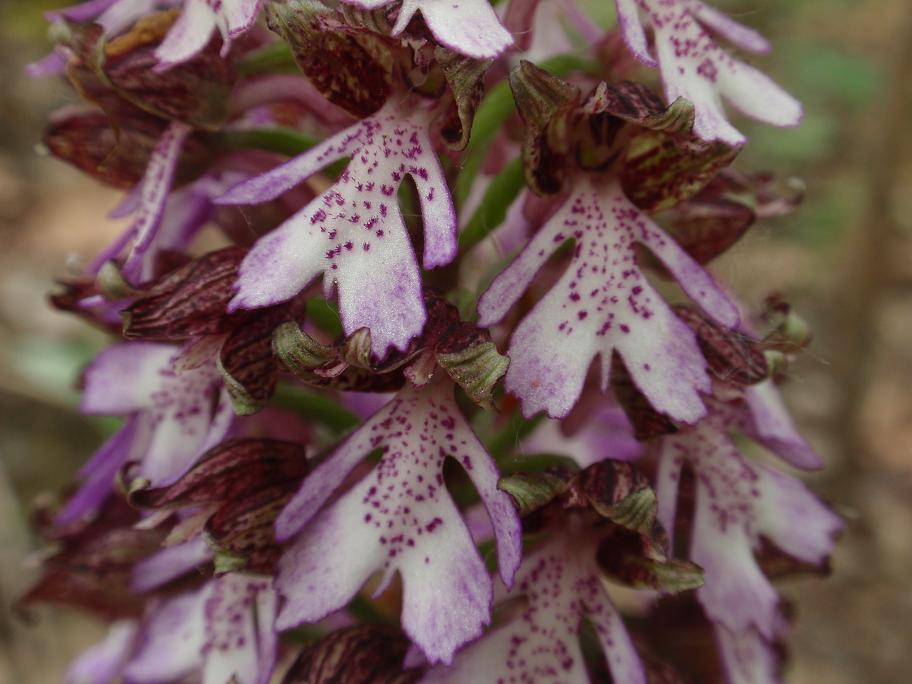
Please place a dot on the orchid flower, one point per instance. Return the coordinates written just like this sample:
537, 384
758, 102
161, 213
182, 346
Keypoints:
171, 418
291, 465
469, 27
562, 586
112, 15
747, 657
737, 502
533, 23
189, 35
603, 303
399, 518
354, 232
199, 19
222, 632
694, 67
607, 433
149, 204
104, 662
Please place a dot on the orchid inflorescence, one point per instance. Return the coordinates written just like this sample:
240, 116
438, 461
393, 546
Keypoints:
519, 394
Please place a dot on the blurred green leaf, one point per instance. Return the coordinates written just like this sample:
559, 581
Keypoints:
319, 408
492, 210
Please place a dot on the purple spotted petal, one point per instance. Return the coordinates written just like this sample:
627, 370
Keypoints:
737, 502
155, 188
224, 631
168, 564
103, 663
178, 414
400, 518
186, 213
123, 377
353, 234
562, 586
240, 639
469, 27
603, 303
694, 67
747, 657
185, 424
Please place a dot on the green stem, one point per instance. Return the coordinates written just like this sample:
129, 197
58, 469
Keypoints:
285, 141
317, 407
272, 58
492, 210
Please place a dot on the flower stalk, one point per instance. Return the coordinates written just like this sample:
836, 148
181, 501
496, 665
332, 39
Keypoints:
442, 469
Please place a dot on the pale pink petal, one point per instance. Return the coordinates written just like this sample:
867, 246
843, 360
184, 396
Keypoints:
469, 27
122, 378
628, 14
354, 233
607, 434
98, 475
327, 564
184, 413
400, 518
694, 67
561, 584
240, 15
173, 636
268, 186
735, 593
756, 95
748, 658
103, 663
52, 64
81, 13
178, 415
693, 278
188, 36
168, 564
156, 186
123, 13
603, 303
240, 638
790, 516
771, 425
733, 31
737, 503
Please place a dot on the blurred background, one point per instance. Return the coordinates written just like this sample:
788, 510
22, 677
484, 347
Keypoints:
844, 260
